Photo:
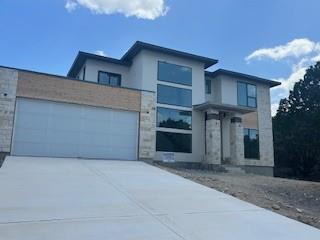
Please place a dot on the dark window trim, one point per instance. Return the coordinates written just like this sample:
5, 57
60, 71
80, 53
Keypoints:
250, 129
205, 86
179, 105
190, 129
184, 84
110, 73
247, 97
84, 72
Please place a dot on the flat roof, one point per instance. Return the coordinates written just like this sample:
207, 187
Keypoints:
218, 72
223, 107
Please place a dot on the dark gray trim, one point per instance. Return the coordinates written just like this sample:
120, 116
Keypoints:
138, 46
218, 72
236, 120
214, 116
223, 107
82, 57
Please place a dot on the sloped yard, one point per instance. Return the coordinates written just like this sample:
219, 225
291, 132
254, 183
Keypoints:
299, 200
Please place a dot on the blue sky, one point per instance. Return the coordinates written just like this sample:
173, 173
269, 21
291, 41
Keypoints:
46, 35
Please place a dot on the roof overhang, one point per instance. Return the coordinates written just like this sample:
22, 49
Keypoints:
222, 72
83, 56
138, 46
228, 108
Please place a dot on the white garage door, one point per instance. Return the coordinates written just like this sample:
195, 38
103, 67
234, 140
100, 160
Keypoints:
44, 128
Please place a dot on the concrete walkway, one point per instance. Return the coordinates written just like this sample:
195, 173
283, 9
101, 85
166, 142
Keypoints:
47, 198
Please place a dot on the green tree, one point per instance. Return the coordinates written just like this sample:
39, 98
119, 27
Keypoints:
297, 128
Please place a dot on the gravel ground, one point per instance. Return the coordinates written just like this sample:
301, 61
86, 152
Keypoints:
295, 199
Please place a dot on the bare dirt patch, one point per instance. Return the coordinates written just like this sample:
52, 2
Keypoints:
299, 200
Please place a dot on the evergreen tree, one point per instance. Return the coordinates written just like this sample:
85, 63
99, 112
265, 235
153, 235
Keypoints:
297, 128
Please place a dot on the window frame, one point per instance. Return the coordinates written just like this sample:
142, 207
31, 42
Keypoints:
110, 74
173, 109
172, 104
158, 75
247, 96
175, 151
210, 87
244, 143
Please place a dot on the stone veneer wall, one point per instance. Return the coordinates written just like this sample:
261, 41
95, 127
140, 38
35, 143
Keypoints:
213, 139
8, 86
265, 129
236, 141
147, 135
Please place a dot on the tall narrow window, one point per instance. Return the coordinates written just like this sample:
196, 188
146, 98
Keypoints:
108, 78
251, 143
84, 73
208, 86
247, 94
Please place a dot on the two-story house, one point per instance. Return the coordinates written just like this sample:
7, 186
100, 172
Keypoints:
153, 104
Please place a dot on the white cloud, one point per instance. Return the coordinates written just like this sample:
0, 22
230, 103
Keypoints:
274, 108
145, 9
302, 53
296, 48
70, 6
100, 53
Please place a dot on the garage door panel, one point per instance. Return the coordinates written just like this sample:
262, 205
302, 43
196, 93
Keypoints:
29, 135
44, 128
29, 121
26, 148
64, 123
31, 106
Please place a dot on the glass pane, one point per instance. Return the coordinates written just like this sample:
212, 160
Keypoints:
251, 144
174, 73
208, 86
242, 94
103, 78
252, 90
252, 102
253, 134
174, 96
172, 118
174, 142
114, 80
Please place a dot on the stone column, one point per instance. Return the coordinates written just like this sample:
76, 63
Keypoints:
147, 135
213, 138
236, 141
8, 88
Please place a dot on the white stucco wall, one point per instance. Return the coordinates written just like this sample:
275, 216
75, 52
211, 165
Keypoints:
94, 66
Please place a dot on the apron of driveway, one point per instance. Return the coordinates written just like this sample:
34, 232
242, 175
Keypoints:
56, 198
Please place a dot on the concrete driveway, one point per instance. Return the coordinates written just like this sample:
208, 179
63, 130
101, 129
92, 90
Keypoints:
47, 198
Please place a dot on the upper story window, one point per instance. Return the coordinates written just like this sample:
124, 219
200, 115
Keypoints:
208, 86
174, 96
108, 78
168, 72
173, 118
247, 94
